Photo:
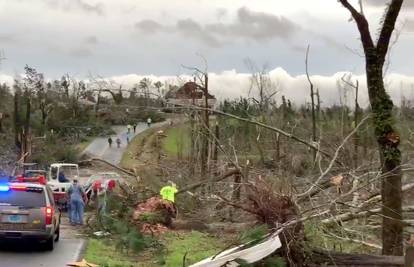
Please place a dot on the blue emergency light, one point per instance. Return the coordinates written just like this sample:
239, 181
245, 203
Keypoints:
4, 188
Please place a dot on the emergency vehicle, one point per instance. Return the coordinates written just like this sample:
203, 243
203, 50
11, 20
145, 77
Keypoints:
28, 211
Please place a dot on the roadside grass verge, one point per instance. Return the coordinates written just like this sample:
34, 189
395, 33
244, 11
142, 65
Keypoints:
177, 140
129, 158
101, 252
195, 245
80, 147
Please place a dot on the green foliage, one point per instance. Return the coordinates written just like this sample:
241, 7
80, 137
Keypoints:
274, 262
318, 237
55, 152
177, 141
152, 217
116, 220
242, 263
103, 253
255, 233
197, 246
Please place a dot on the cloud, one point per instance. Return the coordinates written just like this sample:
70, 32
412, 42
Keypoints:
92, 40
409, 25
247, 25
82, 5
257, 26
81, 52
7, 38
149, 26
383, 3
189, 27
221, 13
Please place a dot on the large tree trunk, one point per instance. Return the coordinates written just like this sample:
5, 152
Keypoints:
388, 141
387, 138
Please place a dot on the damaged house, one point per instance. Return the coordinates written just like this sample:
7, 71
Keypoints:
189, 94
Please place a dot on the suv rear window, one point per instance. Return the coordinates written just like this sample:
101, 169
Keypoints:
23, 199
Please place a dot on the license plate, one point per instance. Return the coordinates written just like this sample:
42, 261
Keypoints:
14, 218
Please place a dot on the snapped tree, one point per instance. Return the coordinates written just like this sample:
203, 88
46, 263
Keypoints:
387, 137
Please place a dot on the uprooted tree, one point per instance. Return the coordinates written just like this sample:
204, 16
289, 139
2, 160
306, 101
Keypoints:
387, 137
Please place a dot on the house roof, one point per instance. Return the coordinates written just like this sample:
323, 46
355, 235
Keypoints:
189, 90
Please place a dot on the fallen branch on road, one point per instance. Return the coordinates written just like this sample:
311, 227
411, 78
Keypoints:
89, 161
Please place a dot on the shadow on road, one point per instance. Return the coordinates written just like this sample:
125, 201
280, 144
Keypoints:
21, 246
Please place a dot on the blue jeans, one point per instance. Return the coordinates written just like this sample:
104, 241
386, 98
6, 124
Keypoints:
76, 211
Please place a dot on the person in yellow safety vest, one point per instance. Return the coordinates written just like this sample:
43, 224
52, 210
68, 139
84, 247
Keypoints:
168, 192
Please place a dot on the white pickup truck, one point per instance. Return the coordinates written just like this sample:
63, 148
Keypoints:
61, 176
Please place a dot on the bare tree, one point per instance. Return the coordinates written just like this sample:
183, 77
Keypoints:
347, 79
387, 137
312, 94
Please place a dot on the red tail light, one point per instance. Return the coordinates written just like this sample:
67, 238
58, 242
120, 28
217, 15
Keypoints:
18, 187
49, 214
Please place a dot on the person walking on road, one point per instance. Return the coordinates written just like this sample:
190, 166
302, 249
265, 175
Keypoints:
129, 128
134, 126
110, 141
149, 121
128, 138
77, 204
118, 142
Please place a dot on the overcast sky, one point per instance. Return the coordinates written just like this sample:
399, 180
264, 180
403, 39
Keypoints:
114, 37
120, 37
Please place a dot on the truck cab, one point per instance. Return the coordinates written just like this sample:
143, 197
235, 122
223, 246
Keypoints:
61, 176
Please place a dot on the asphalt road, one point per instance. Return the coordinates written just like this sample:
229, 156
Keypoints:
71, 244
68, 249
99, 147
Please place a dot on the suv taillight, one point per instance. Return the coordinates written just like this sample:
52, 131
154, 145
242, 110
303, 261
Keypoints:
49, 214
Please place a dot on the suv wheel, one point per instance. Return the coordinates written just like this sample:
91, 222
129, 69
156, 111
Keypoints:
57, 233
50, 244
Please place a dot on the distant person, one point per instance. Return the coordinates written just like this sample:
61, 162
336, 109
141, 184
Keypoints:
110, 141
135, 126
62, 178
128, 138
77, 203
118, 142
149, 121
129, 128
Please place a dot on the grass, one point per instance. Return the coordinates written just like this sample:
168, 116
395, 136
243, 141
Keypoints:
177, 140
196, 245
128, 160
84, 144
105, 255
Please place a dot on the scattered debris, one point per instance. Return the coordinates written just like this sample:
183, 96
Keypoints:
101, 233
82, 263
155, 211
247, 252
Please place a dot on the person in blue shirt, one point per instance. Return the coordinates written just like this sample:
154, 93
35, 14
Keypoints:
77, 203
62, 178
